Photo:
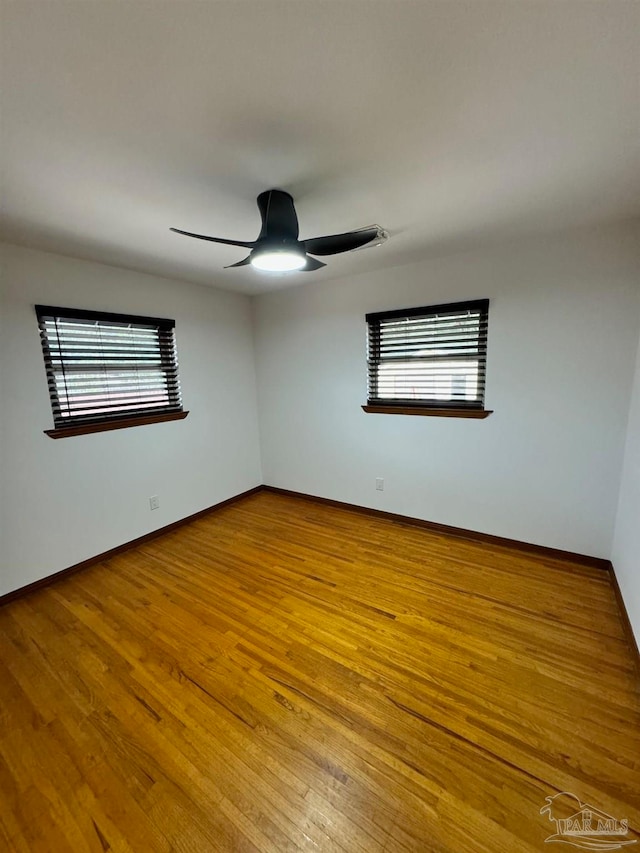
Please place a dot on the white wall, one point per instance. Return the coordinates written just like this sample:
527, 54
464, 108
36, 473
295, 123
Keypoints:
69, 499
544, 468
626, 543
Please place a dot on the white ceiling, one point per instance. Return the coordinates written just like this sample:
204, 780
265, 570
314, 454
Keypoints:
449, 123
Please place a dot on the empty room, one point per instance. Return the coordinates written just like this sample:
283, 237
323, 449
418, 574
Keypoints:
319, 426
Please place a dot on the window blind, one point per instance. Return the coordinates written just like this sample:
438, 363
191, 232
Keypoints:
431, 356
103, 367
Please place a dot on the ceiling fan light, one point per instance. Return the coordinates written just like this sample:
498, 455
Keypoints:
278, 260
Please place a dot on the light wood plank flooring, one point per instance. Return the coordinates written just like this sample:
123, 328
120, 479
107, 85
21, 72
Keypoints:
283, 675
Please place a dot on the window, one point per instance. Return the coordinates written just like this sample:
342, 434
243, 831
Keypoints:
107, 371
428, 360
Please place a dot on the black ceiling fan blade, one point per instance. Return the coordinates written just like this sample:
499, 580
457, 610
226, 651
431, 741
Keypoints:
241, 263
279, 219
337, 243
244, 243
312, 264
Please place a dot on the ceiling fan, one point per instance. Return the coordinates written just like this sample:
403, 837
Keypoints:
278, 249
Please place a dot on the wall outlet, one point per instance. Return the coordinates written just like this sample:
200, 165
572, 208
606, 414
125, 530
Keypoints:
154, 502
380, 484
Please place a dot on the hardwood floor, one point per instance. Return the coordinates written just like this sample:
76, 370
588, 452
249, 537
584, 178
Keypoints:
283, 676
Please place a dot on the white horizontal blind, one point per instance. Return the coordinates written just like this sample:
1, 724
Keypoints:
433, 356
108, 366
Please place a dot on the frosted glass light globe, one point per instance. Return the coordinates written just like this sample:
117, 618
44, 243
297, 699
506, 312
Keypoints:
283, 260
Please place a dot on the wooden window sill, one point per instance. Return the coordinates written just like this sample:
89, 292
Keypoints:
425, 411
103, 426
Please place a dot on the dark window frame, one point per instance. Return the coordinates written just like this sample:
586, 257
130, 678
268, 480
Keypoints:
111, 368
470, 347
